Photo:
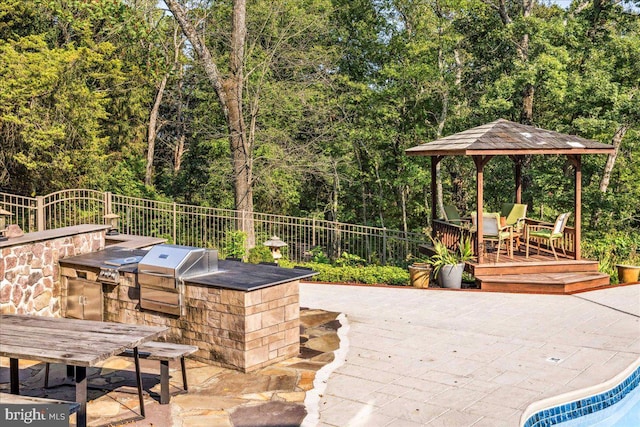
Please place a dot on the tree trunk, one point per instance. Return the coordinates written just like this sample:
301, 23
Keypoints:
526, 114
611, 160
178, 153
229, 92
153, 130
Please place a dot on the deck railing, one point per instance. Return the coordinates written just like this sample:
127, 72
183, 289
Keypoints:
450, 235
209, 227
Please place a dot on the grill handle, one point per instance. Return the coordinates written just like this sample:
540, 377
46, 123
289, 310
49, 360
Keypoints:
156, 273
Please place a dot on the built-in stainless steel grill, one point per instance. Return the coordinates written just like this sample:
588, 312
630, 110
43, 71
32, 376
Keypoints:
162, 271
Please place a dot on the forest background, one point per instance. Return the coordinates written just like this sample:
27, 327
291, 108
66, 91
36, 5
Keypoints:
325, 96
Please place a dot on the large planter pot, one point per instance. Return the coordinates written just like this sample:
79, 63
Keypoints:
628, 273
450, 276
419, 275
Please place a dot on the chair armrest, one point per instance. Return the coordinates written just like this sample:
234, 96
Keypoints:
508, 228
539, 227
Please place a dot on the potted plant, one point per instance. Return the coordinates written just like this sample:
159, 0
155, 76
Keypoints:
419, 272
449, 265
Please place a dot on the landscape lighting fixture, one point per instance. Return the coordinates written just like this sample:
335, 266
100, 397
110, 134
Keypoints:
274, 244
112, 219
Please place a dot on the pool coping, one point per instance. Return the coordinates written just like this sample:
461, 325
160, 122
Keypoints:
561, 404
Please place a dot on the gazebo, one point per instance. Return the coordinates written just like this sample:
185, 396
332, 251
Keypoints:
515, 140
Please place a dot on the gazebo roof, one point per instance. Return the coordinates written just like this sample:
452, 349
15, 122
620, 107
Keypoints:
504, 137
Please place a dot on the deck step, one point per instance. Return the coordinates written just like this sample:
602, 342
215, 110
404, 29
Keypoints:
555, 283
515, 267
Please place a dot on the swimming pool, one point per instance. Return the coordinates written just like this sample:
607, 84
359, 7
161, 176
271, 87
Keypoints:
613, 403
625, 413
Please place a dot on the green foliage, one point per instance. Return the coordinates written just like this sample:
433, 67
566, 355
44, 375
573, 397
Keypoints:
349, 260
612, 249
259, 254
318, 256
335, 92
234, 245
443, 256
366, 275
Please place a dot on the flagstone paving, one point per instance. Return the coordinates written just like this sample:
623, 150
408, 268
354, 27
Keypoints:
272, 396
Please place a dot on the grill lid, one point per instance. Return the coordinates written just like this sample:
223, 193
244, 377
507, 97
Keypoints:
177, 261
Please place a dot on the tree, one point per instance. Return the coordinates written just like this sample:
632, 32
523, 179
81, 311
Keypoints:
229, 93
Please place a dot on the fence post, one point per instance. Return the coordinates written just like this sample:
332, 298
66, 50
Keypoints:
107, 201
313, 233
175, 223
384, 245
40, 213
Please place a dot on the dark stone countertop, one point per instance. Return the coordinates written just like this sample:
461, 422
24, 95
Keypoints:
242, 276
234, 275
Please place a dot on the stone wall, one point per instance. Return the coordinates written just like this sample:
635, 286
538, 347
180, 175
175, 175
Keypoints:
29, 271
234, 329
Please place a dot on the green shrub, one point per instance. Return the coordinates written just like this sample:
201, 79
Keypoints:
366, 275
318, 256
612, 249
347, 259
234, 244
259, 254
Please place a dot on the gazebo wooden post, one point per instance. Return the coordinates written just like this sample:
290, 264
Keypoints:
480, 162
434, 163
576, 161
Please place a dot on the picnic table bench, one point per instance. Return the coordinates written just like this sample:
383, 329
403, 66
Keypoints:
78, 343
165, 352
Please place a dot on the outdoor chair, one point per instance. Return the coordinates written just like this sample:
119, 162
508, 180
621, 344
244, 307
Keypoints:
493, 232
542, 232
452, 216
515, 214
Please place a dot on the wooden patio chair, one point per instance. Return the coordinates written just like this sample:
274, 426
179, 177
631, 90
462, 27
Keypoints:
542, 232
452, 216
493, 232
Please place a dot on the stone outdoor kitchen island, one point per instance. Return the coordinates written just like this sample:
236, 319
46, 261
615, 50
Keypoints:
244, 316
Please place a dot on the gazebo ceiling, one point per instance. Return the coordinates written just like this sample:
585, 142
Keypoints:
504, 137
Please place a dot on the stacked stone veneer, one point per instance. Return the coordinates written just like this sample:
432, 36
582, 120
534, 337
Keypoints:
29, 272
236, 329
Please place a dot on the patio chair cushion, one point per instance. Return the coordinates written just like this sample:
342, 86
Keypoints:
545, 233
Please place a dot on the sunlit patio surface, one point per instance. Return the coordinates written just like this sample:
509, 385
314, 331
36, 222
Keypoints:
451, 358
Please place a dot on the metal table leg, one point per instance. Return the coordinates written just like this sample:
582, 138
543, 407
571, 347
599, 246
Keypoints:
136, 358
14, 374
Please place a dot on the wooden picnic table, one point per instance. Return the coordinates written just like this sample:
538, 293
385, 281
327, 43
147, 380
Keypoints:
78, 343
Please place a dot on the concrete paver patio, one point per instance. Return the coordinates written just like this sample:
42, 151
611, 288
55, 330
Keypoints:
446, 358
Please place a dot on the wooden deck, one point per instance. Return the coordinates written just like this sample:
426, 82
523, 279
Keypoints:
536, 274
